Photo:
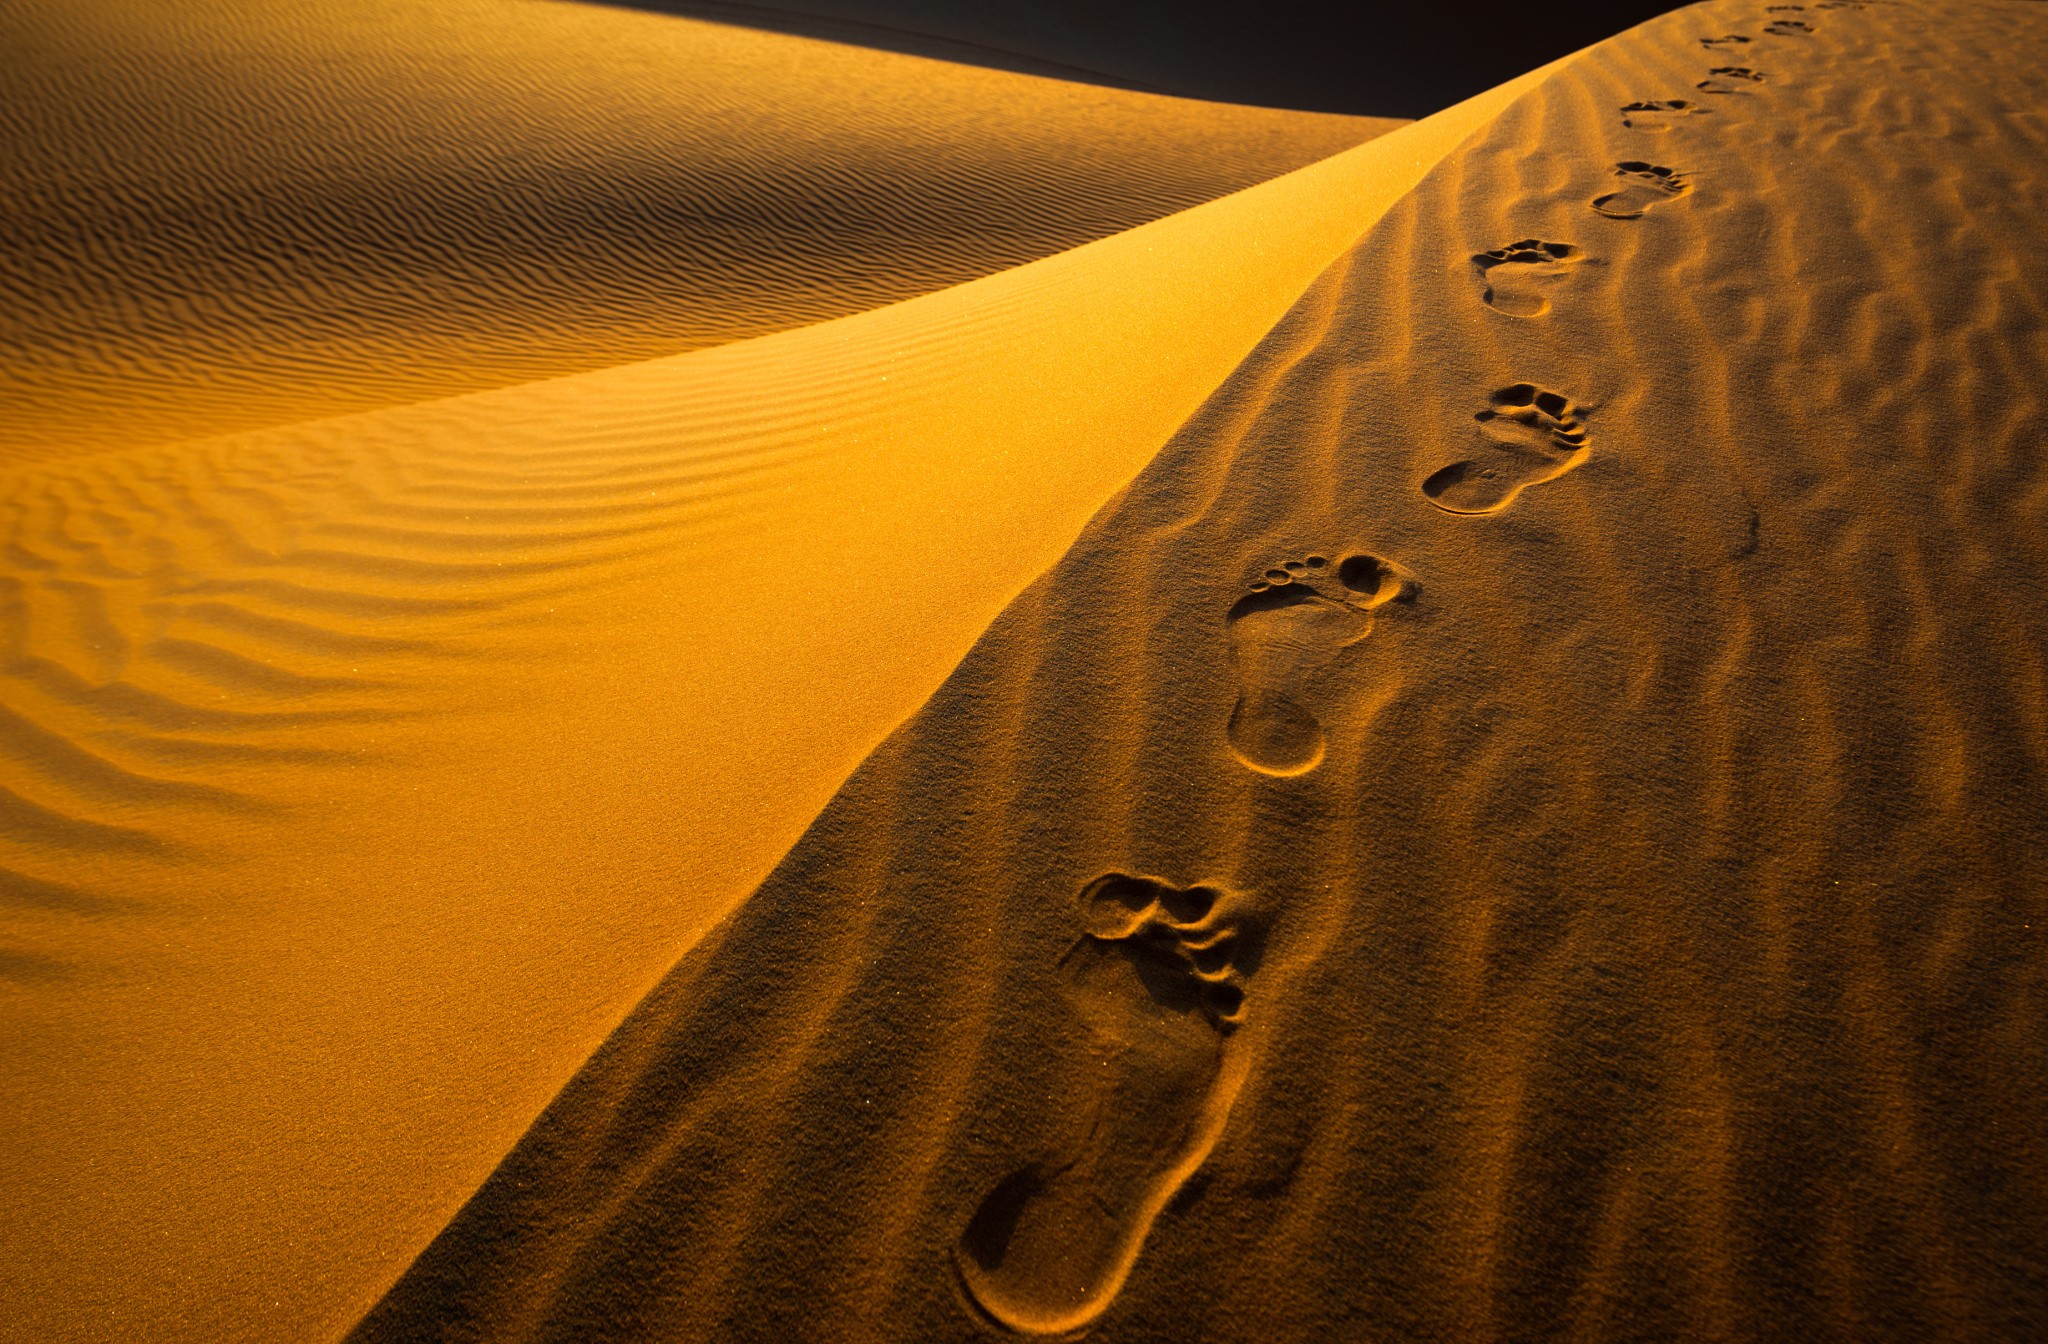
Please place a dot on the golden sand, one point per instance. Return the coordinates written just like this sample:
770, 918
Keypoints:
365, 772
1524, 821
1448, 746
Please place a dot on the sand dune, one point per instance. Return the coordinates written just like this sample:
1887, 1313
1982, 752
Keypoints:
1525, 821
225, 213
363, 773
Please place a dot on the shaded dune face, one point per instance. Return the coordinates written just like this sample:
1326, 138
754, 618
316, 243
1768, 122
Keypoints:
1653, 949
225, 214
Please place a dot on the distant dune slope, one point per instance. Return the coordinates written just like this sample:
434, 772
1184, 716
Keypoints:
218, 214
357, 777
1524, 822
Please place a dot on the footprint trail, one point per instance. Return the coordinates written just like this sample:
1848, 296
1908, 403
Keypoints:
1158, 979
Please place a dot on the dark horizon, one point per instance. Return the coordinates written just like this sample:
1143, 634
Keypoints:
1378, 61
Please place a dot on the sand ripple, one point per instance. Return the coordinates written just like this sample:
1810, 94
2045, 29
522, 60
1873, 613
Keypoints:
1653, 937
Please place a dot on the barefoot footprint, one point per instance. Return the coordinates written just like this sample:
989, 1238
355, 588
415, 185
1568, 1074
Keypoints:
1158, 981
1658, 114
1517, 275
1727, 40
1646, 185
1730, 79
1290, 625
1532, 436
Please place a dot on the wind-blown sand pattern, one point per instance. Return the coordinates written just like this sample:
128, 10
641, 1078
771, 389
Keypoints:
364, 773
1653, 951
223, 214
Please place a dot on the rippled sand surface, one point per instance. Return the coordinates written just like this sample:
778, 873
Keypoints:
361, 773
223, 214
1524, 821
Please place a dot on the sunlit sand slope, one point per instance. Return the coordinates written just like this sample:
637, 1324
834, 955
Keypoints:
1525, 822
229, 213
359, 776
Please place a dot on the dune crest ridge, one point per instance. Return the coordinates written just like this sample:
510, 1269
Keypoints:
1655, 948
363, 773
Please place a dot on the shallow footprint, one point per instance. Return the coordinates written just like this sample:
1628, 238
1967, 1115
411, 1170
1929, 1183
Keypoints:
1517, 275
1645, 185
1658, 114
1532, 436
1291, 624
1727, 40
1158, 979
1789, 28
1731, 79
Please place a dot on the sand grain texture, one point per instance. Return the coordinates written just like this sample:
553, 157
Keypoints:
1626, 896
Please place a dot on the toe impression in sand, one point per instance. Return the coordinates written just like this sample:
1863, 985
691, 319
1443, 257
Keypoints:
1517, 276
1292, 623
1158, 979
1532, 435
1644, 187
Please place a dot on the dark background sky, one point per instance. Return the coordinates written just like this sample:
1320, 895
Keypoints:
1373, 59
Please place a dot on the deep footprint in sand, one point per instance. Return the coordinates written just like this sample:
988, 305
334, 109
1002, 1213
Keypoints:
1292, 623
1532, 436
1518, 275
1158, 981
1727, 40
1658, 115
1789, 28
1731, 79
1645, 186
